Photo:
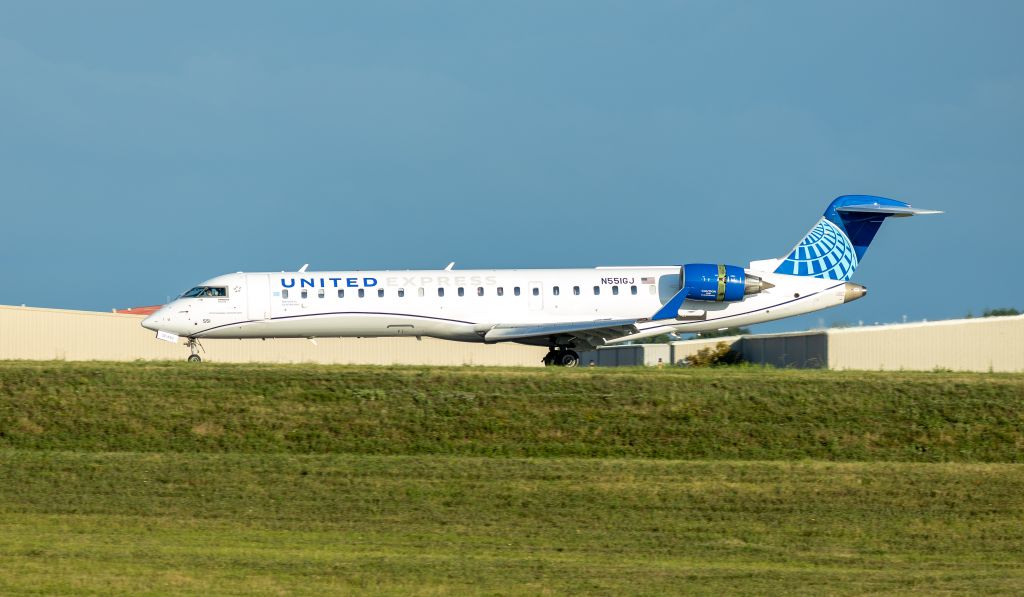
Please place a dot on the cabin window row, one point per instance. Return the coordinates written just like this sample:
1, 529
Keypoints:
461, 291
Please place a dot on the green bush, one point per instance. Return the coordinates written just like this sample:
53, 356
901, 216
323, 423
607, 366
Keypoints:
721, 354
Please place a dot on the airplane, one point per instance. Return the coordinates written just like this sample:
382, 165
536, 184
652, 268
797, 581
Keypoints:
566, 310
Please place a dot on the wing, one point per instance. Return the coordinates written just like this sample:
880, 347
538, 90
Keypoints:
590, 333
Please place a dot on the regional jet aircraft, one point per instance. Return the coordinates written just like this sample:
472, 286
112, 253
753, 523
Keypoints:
566, 310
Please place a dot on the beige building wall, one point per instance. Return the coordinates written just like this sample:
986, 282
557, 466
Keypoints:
983, 344
47, 334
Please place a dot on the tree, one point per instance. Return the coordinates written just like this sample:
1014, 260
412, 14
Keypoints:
662, 339
1003, 312
724, 333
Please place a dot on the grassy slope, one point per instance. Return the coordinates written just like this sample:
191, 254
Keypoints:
734, 414
239, 479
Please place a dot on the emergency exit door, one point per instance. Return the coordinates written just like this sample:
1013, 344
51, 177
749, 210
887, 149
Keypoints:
257, 288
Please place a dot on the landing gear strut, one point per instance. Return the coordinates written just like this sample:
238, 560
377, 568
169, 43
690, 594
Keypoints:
561, 357
194, 346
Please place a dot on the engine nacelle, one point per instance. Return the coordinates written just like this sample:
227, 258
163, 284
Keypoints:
711, 282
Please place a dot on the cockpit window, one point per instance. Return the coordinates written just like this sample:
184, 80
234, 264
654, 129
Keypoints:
199, 291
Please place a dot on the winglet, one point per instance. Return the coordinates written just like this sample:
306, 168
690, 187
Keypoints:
449, 267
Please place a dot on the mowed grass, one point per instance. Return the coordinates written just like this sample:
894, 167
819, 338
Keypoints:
746, 413
169, 478
249, 523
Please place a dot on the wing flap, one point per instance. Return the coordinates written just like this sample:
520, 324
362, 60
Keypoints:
593, 332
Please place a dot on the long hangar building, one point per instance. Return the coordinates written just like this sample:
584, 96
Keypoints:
985, 344
991, 344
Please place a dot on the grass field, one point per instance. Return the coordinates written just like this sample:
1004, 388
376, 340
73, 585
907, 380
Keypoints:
171, 478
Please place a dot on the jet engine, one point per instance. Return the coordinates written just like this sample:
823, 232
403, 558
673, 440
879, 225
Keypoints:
710, 282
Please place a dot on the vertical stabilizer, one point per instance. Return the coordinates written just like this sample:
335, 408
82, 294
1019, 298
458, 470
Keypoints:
835, 246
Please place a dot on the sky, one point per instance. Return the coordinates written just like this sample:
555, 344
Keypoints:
145, 147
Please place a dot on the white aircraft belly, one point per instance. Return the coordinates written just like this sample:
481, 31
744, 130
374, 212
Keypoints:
346, 325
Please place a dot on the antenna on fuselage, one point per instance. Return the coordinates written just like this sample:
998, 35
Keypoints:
449, 267
302, 269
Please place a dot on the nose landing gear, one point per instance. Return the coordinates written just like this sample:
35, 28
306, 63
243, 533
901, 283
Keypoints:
194, 346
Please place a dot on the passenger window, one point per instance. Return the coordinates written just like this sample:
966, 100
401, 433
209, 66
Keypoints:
341, 293
654, 289
554, 290
420, 291
536, 292
380, 293
597, 290
305, 294
576, 290
362, 293
615, 289
401, 292
462, 291
501, 291
284, 293
479, 290
515, 291
320, 293
632, 289
440, 292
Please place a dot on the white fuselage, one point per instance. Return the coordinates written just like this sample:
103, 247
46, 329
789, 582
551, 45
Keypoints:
465, 304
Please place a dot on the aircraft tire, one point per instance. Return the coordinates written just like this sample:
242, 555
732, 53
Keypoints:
194, 358
569, 358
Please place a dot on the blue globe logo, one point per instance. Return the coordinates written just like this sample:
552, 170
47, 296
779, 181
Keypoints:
825, 252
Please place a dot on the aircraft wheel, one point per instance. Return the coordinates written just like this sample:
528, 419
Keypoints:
550, 359
194, 358
569, 358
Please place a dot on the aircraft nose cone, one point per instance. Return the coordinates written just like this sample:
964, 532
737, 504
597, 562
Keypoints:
155, 319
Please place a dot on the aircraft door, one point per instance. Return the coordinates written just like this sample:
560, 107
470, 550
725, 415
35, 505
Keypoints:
536, 296
258, 289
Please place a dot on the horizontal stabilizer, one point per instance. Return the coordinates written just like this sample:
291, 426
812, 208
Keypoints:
891, 210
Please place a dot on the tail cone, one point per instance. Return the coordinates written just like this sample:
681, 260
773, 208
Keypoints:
853, 292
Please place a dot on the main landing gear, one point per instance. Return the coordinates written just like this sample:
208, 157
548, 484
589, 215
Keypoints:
561, 357
194, 346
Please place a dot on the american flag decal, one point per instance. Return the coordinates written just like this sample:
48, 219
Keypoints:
647, 280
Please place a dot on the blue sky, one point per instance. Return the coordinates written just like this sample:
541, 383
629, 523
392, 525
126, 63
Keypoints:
145, 147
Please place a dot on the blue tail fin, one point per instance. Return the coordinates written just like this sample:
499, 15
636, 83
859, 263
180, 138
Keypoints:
837, 243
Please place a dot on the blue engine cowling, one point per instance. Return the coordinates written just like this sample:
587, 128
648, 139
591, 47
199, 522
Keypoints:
711, 282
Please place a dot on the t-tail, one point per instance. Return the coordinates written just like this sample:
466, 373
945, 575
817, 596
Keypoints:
835, 246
